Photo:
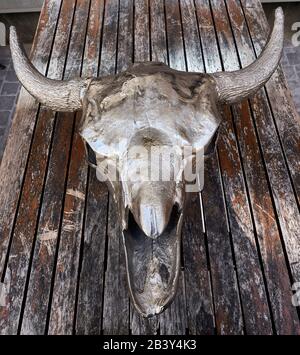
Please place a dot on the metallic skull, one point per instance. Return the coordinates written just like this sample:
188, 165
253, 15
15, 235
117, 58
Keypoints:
127, 118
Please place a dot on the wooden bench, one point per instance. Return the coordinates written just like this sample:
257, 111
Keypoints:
61, 257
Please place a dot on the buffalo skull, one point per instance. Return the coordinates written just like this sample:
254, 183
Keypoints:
149, 105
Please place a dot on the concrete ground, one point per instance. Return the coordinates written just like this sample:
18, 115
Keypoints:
26, 24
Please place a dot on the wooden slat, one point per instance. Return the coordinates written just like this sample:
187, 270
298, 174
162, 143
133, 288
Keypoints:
141, 31
158, 32
200, 310
44, 256
65, 286
24, 231
91, 282
279, 95
116, 302
285, 315
192, 44
283, 194
174, 35
18, 144
173, 320
253, 292
228, 314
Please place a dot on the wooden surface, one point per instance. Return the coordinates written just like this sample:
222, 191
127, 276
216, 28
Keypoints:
61, 258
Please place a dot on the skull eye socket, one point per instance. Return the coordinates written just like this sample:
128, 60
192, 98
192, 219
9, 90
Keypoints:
91, 156
212, 144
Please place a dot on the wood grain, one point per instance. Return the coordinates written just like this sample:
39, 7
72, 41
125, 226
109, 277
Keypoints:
61, 253
284, 314
91, 274
16, 152
49, 228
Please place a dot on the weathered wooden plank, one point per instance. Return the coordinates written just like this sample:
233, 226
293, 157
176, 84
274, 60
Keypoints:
15, 156
228, 314
227, 306
277, 277
66, 268
116, 302
253, 293
65, 286
173, 319
125, 38
25, 225
44, 256
174, 35
91, 282
158, 32
197, 277
192, 43
91, 286
141, 31
207, 32
283, 194
200, 313
279, 95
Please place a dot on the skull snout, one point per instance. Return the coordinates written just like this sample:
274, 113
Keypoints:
153, 206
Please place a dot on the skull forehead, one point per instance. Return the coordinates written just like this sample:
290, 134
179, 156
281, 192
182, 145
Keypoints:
179, 107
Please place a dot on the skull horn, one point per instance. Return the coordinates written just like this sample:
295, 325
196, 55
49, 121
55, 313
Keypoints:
238, 85
55, 94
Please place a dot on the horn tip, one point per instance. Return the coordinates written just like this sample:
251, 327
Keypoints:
279, 12
13, 33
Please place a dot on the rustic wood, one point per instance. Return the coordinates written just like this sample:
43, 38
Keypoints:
24, 231
49, 228
200, 312
279, 96
287, 121
67, 265
62, 258
228, 313
253, 293
116, 302
91, 282
14, 159
285, 317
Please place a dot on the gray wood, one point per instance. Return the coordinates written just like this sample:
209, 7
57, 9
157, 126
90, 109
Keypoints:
90, 280
228, 313
116, 302
61, 251
18, 145
284, 314
288, 125
48, 235
253, 293
200, 313
280, 99
24, 231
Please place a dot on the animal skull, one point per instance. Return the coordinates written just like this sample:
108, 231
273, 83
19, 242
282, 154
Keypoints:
149, 106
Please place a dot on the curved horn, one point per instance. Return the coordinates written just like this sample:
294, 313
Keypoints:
56, 94
238, 85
